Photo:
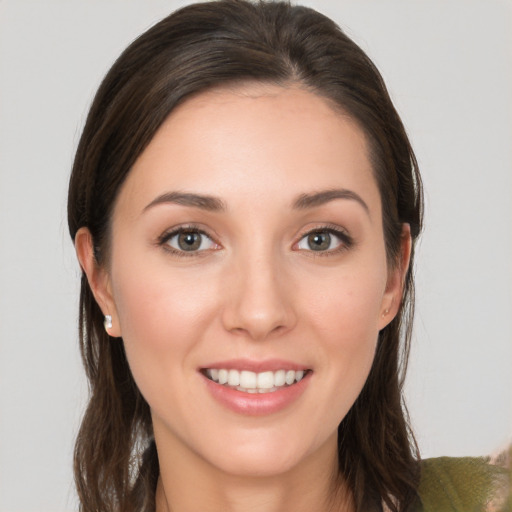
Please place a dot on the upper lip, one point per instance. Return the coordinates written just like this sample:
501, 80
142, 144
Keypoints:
266, 365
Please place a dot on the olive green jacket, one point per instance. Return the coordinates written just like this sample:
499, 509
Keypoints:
468, 484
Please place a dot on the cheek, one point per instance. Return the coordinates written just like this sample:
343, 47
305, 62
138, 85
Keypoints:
348, 306
162, 320
346, 318
156, 305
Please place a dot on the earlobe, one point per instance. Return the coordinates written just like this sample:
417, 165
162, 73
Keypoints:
396, 280
98, 278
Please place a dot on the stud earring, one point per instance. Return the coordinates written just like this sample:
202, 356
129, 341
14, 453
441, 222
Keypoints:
108, 322
386, 311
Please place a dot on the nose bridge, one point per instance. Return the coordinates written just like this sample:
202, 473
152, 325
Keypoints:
258, 302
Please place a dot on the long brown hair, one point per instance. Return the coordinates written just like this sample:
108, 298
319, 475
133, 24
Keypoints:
201, 46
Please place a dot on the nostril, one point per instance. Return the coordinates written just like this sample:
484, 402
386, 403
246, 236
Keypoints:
256, 305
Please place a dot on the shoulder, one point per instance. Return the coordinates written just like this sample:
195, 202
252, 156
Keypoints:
465, 484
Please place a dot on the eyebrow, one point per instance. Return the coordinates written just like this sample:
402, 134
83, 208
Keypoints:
305, 201
214, 204
203, 202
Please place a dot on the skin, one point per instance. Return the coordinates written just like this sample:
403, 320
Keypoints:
255, 290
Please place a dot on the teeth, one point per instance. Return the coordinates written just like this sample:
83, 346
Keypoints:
233, 378
247, 379
251, 382
280, 378
223, 376
265, 380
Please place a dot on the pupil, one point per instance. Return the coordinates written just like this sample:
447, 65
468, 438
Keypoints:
319, 241
189, 241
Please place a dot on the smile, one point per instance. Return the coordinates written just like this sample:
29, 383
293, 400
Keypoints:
252, 382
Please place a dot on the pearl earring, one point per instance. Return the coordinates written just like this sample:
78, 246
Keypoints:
108, 322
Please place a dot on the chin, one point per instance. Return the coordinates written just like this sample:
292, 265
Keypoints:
270, 456
260, 465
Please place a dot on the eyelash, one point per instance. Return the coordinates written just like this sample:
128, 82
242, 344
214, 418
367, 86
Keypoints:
163, 240
346, 241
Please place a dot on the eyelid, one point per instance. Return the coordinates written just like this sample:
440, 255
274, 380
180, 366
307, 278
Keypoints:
170, 233
346, 240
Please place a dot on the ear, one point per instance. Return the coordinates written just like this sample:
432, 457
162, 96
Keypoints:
98, 278
396, 279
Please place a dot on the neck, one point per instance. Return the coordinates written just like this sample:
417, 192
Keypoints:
191, 483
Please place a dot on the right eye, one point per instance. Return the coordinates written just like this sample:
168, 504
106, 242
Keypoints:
325, 241
186, 240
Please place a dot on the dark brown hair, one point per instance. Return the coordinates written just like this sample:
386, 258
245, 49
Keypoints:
215, 44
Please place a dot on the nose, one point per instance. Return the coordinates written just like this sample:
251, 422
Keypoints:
259, 299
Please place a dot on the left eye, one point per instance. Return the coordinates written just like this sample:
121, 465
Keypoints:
190, 241
321, 241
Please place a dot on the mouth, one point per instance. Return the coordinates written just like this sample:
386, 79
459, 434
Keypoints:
253, 382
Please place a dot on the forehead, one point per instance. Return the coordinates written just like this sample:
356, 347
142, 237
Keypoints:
249, 141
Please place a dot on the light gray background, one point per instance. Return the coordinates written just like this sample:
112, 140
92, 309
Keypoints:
448, 65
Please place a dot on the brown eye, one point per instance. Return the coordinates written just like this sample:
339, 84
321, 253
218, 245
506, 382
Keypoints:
326, 240
186, 240
189, 241
319, 241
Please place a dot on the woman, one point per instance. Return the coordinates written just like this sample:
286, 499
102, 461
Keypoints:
244, 204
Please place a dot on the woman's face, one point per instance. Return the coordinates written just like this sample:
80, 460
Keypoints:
247, 245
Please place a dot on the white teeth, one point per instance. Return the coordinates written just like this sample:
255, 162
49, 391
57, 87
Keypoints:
233, 378
251, 382
247, 379
280, 378
265, 380
223, 376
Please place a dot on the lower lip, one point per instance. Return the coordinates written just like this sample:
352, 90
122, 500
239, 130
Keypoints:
257, 404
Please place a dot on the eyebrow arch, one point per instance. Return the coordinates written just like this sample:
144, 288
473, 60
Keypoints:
210, 203
305, 201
